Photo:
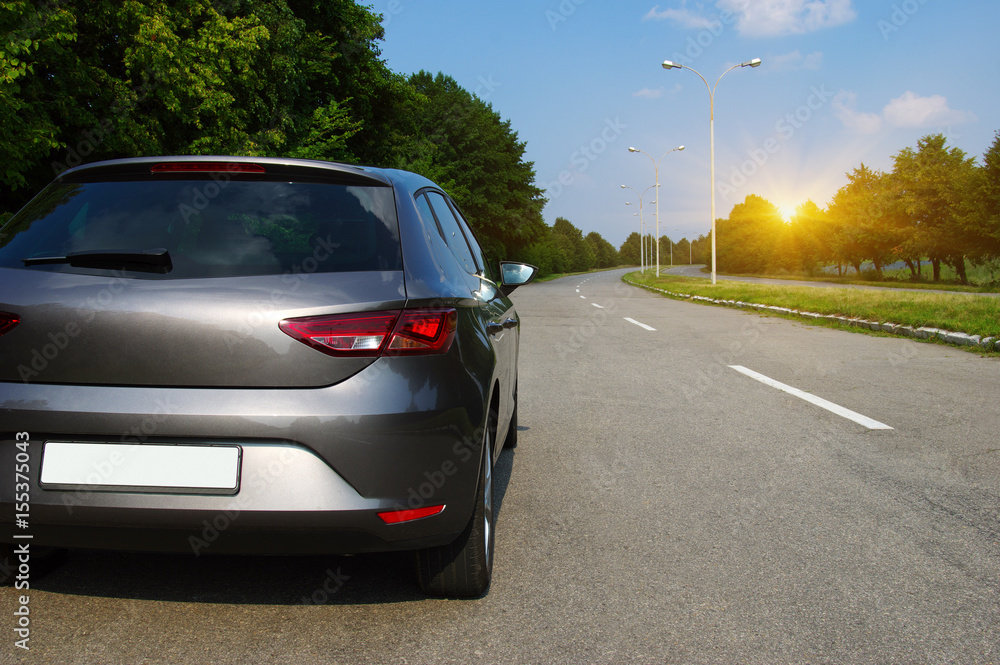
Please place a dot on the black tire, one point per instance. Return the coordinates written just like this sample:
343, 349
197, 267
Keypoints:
511, 440
464, 567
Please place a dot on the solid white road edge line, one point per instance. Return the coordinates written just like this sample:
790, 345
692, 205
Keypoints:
812, 399
641, 325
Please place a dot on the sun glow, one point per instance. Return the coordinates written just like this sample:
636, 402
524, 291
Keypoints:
787, 213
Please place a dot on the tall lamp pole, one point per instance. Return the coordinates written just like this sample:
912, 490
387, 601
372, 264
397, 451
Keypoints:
642, 228
656, 172
667, 64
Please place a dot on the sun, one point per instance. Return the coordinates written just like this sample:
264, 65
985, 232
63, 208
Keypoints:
787, 213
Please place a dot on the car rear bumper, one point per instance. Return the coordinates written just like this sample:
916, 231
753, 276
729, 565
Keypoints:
310, 481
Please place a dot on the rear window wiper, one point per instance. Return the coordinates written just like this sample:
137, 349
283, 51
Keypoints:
148, 260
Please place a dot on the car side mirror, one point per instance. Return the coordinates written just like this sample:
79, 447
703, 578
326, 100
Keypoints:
513, 275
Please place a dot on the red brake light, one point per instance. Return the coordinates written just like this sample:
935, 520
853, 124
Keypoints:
206, 167
350, 335
8, 321
371, 334
397, 516
423, 331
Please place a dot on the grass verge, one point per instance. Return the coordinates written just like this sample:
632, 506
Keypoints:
959, 312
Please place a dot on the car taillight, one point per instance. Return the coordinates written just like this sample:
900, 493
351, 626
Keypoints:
371, 334
422, 332
206, 167
398, 516
8, 321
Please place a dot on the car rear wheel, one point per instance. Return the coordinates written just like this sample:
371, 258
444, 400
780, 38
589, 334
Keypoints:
464, 567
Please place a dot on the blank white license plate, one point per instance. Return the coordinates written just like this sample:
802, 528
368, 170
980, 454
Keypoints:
152, 466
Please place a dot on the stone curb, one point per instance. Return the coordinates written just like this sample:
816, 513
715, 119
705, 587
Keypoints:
947, 336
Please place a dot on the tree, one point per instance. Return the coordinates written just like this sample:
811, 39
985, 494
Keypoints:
935, 185
33, 42
982, 217
579, 252
605, 254
464, 146
682, 251
813, 239
870, 219
630, 251
106, 79
701, 249
747, 239
546, 253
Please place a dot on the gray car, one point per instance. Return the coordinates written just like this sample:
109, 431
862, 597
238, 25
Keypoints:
254, 355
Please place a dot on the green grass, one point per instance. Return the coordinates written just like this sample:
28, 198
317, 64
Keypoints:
981, 280
891, 282
959, 312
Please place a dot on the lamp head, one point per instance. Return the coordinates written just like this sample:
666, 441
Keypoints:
667, 64
631, 149
751, 63
680, 147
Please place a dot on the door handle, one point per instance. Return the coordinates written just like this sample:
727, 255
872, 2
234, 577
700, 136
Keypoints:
494, 328
510, 323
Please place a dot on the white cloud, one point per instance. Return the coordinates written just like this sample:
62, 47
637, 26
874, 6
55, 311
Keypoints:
912, 110
770, 18
682, 17
795, 60
649, 93
909, 110
845, 107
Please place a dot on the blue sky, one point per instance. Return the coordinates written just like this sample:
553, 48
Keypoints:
842, 82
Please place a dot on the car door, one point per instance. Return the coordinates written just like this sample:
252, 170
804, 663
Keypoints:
498, 313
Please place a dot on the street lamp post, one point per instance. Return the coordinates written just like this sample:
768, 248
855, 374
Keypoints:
642, 265
642, 228
656, 172
667, 64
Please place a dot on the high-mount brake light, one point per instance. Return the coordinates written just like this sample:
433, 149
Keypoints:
408, 515
8, 321
206, 167
409, 332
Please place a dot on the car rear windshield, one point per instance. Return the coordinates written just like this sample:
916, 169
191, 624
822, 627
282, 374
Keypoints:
209, 227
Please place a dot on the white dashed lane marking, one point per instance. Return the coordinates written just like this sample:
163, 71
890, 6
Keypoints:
812, 399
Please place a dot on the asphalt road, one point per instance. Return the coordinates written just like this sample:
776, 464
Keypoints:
661, 507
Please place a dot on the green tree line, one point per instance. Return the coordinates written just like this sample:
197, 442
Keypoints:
936, 205
85, 80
